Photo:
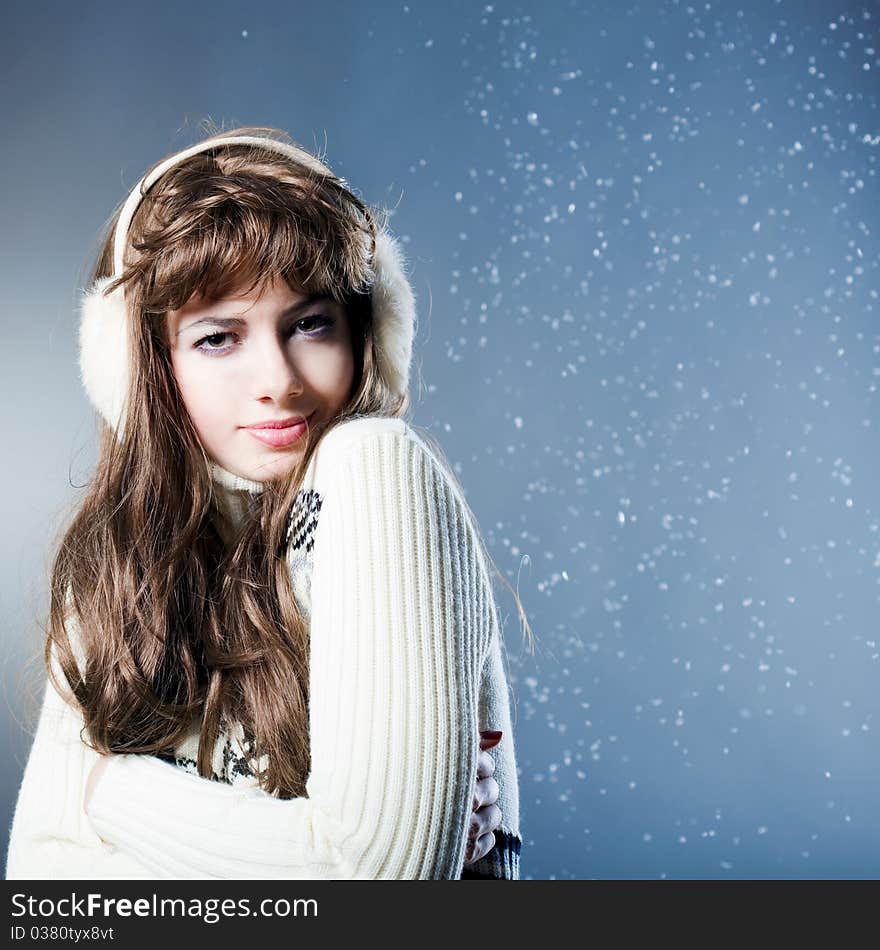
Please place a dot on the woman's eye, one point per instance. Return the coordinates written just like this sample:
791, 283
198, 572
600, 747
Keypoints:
206, 339
318, 323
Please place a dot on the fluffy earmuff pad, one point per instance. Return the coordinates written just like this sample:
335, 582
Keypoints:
394, 313
103, 350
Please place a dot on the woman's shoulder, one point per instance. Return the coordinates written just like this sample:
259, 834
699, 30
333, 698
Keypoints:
363, 428
350, 437
388, 456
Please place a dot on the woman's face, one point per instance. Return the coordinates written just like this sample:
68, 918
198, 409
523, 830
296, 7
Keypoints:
247, 360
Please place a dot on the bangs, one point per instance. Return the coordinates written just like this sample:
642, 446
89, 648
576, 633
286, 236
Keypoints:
222, 235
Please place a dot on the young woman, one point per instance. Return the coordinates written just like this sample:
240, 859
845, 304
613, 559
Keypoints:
274, 581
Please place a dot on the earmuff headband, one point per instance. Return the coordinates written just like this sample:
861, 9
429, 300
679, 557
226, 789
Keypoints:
143, 186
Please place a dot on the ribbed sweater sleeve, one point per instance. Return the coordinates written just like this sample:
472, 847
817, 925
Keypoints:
402, 622
50, 837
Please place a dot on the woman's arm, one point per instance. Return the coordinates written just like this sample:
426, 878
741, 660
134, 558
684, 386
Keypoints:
402, 619
51, 838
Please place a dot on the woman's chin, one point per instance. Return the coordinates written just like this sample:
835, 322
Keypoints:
274, 464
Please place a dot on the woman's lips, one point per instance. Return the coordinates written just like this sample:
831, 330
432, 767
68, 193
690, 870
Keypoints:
281, 438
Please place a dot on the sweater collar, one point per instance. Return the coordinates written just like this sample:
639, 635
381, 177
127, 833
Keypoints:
234, 483
234, 497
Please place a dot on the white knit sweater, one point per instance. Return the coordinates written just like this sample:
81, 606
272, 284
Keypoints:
405, 669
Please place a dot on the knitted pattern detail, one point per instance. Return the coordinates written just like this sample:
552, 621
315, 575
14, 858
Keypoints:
304, 520
233, 753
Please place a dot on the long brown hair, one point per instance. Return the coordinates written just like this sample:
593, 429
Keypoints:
171, 622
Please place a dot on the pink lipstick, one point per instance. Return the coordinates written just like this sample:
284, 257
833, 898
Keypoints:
281, 434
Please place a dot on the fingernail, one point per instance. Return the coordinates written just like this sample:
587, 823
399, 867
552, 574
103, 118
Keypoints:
492, 734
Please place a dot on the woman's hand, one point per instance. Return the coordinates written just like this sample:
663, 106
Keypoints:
487, 815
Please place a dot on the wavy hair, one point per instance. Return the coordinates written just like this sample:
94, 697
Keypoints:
172, 623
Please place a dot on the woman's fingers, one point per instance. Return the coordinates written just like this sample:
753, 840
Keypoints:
485, 765
486, 792
486, 815
483, 821
483, 845
481, 832
479, 848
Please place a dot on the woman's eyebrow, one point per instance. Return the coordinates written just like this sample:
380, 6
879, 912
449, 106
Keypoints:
239, 322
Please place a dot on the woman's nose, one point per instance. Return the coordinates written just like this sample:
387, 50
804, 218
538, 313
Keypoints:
275, 373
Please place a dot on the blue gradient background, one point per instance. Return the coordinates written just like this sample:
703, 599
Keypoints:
643, 240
